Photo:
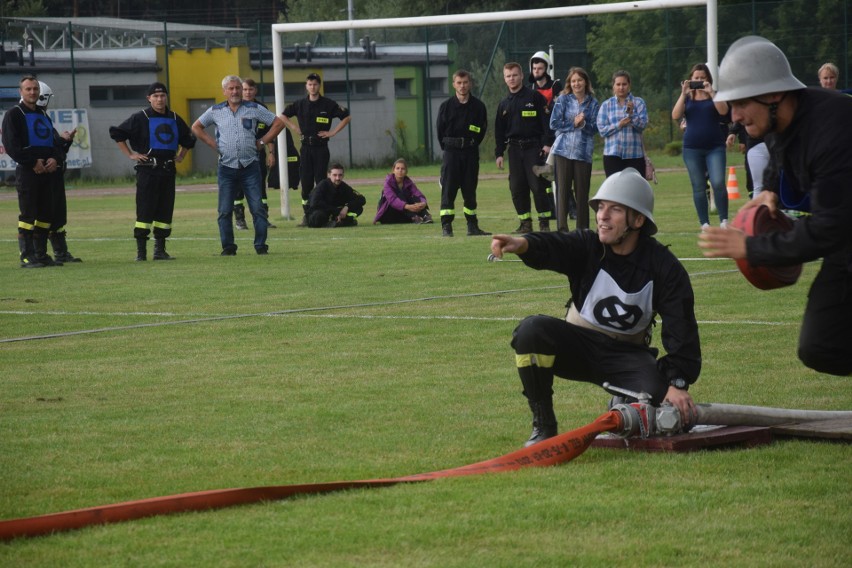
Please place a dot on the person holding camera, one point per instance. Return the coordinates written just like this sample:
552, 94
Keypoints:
621, 120
704, 142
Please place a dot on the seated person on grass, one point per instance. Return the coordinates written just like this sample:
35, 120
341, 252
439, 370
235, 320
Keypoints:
401, 201
334, 203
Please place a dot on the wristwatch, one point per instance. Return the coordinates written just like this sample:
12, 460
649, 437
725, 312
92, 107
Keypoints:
262, 143
679, 383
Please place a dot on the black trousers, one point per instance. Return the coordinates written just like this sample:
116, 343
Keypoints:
459, 170
825, 337
155, 201
578, 174
614, 164
59, 203
522, 181
313, 168
546, 346
35, 203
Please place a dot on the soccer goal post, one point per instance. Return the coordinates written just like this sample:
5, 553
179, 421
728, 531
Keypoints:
278, 31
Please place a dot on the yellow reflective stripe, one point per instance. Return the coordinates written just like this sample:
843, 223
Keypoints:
304, 202
528, 113
158, 225
474, 128
537, 359
26, 226
292, 158
59, 230
525, 216
448, 212
42, 224
322, 120
469, 211
544, 215
353, 215
140, 225
239, 201
264, 201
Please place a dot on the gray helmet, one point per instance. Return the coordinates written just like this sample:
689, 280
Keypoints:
754, 66
628, 188
44, 94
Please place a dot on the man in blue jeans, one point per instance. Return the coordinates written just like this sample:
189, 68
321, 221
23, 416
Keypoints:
236, 143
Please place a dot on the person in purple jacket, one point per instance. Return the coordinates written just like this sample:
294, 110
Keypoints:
401, 201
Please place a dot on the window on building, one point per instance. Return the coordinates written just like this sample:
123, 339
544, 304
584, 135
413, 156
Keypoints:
362, 89
402, 87
437, 86
117, 95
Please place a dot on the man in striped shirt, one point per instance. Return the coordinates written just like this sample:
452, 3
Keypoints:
236, 143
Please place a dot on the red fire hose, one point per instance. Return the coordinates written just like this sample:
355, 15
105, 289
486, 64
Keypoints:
556, 450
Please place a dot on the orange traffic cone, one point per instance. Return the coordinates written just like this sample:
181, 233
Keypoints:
733, 186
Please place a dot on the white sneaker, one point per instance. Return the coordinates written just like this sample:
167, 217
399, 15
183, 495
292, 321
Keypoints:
724, 224
705, 226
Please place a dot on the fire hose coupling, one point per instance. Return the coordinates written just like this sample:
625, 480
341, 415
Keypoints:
644, 419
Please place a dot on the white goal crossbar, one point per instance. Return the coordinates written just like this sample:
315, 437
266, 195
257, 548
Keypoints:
278, 30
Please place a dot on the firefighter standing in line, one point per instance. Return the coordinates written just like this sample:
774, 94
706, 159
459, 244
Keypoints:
314, 114
461, 126
522, 124
541, 79
28, 139
165, 139
63, 142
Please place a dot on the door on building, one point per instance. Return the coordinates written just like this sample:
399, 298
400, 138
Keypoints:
204, 158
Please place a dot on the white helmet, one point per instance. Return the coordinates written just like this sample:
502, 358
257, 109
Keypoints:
543, 56
754, 66
628, 188
45, 93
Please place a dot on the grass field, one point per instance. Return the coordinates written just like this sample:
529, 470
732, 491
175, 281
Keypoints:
373, 352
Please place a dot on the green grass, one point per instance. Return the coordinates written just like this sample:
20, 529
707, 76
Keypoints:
373, 388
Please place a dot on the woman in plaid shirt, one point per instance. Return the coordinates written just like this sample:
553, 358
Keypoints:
621, 120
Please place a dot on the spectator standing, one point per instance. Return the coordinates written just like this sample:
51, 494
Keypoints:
315, 114
461, 126
155, 139
541, 79
28, 137
704, 142
522, 125
574, 119
621, 120
828, 74
237, 144
59, 204
266, 161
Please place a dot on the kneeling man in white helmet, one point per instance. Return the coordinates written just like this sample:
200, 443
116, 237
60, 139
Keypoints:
620, 279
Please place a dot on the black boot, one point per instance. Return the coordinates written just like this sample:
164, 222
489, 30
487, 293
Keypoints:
544, 422
60, 248
240, 217
40, 249
544, 225
269, 223
160, 249
473, 229
524, 228
141, 249
25, 243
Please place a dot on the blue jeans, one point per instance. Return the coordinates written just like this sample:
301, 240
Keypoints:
703, 163
231, 181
